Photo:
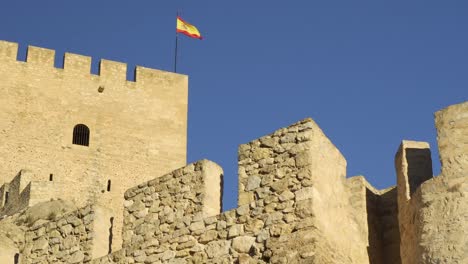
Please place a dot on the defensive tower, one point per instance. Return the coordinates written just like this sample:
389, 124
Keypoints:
70, 134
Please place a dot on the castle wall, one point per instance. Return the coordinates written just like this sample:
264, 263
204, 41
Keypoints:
163, 202
283, 221
68, 239
433, 212
137, 129
294, 206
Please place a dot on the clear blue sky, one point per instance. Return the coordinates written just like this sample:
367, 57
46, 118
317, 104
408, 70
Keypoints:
371, 73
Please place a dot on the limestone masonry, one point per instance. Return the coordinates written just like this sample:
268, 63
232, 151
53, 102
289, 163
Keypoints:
93, 170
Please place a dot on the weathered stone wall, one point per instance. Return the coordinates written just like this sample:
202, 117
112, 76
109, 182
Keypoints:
155, 208
301, 160
66, 240
452, 138
137, 128
294, 206
433, 212
443, 208
281, 220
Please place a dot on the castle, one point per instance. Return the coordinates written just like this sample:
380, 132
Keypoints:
93, 170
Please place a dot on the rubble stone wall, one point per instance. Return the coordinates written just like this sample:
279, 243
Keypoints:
280, 220
68, 239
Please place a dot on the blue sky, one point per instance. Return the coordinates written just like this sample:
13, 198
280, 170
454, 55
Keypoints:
370, 73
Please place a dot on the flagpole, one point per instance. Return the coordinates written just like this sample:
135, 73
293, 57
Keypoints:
176, 45
175, 54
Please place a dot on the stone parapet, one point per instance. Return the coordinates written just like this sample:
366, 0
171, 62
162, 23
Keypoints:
79, 64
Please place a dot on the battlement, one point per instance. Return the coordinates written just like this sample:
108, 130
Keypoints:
76, 64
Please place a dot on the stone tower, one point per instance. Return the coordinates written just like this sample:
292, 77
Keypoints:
70, 134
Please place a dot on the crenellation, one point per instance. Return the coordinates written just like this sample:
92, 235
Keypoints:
160, 79
77, 64
40, 57
8, 51
112, 71
109, 71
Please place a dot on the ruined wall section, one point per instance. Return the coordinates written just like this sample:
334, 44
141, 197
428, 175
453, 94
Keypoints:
278, 222
156, 208
68, 239
443, 210
433, 212
315, 172
452, 139
22, 192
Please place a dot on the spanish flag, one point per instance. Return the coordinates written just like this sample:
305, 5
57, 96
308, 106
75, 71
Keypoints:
187, 29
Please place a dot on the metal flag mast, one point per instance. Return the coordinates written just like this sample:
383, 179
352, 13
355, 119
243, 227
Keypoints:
176, 43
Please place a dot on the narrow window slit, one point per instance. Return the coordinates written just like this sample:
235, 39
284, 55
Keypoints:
108, 185
51, 177
111, 234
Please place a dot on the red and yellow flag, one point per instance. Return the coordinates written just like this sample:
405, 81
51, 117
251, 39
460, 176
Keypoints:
187, 29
